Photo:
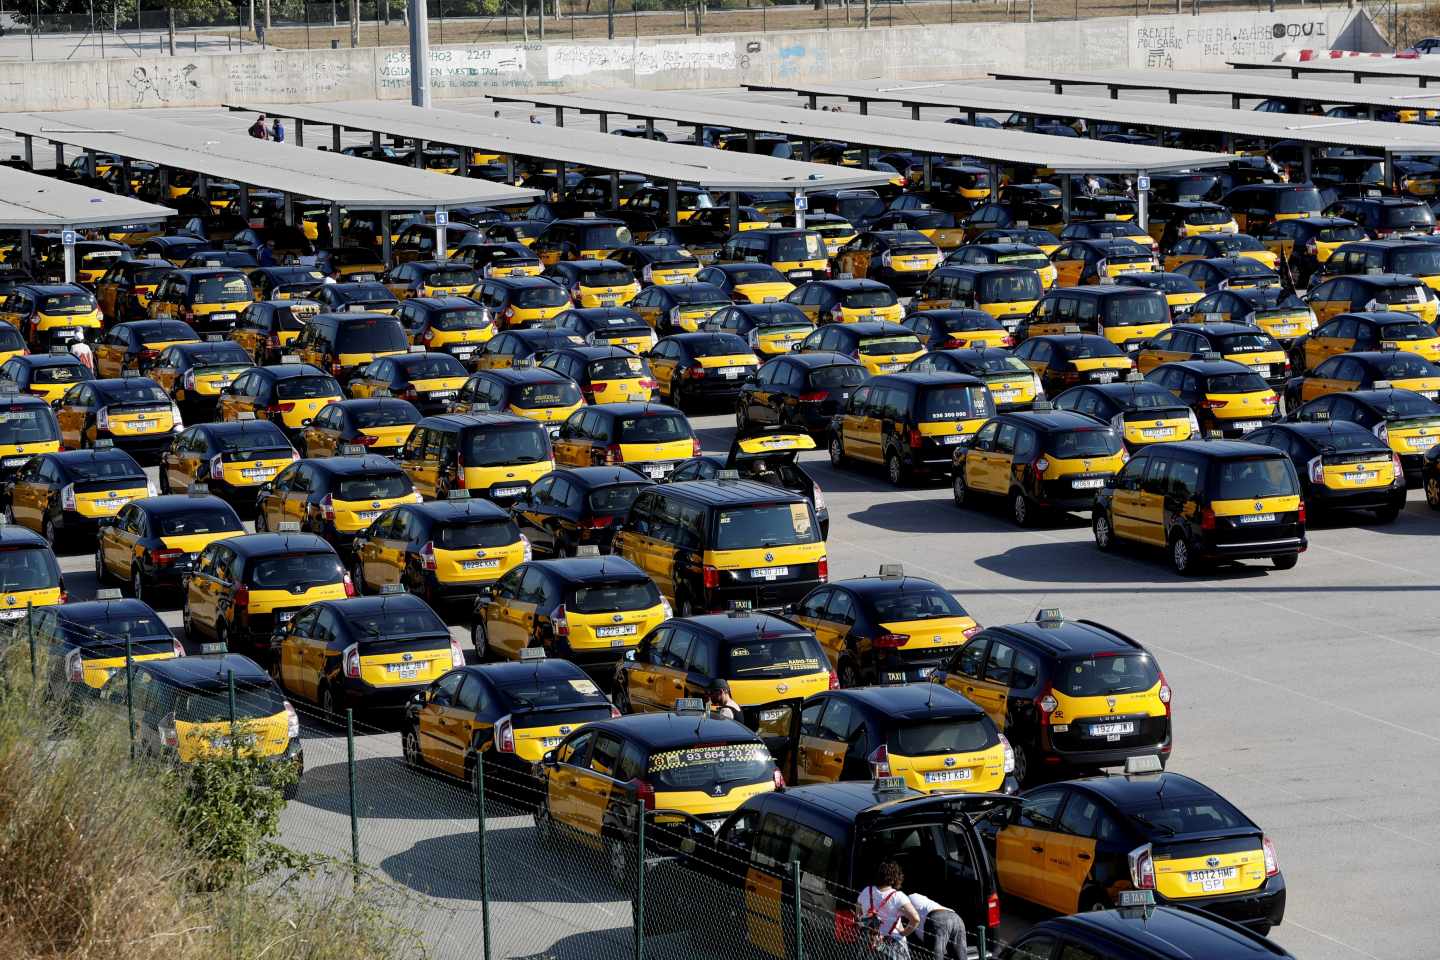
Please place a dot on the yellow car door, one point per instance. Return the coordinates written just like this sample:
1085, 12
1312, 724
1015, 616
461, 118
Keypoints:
1020, 858
1069, 264
1332, 339
983, 675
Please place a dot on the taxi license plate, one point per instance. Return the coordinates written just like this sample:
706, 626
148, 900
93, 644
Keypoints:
609, 299
769, 573
441, 394
1360, 476
1090, 483
479, 564
553, 429
547, 743
657, 469
1418, 443
1259, 518
15, 461
1429, 394
731, 373
1212, 879
114, 504
1104, 376
464, 351
623, 630
1247, 425
517, 272
802, 273
507, 491
285, 616
1005, 396
948, 776
405, 671
11, 614
916, 262
891, 367
366, 514
222, 316
1262, 368
1111, 729
952, 440
257, 473
1155, 433
1285, 328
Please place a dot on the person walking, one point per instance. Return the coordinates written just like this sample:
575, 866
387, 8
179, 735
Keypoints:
277, 132
886, 914
257, 129
940, 931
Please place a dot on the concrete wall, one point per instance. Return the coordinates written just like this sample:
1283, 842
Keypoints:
1173, 42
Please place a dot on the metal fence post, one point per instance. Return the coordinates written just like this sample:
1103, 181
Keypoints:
230, 690
799, 911
30, 630
354, 812
640, 882
484, 876
980, 942
130, 691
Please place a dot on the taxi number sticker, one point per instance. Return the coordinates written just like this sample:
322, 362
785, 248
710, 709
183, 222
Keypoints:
507, 491
1419, 443
709, 756
479, 564
441, 394
948, 776
587, 687
731, 373
285, 616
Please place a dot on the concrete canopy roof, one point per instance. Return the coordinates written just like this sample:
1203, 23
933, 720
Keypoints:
1423, 69
996, 146
34, 202
1325, 131
313, 174
713, 169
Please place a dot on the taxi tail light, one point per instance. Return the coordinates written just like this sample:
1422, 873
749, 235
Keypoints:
992, 910
365, 440
242, 596
189, 381
650, 384
168, 734
890, 641
427, 556
1300, 513
644, 794
814, 396
217, 468
273, 341
916, 439
457, 656
349, 586
327, 507
559, 622
1039, 387
428, 335
1207, 518
1040, 466
1212, 404
879, 762
837, 314
526, 552
164, 558
1142, 868
1399, 469
778, 779
695, 447
74, 667
1046, 704
834, 680
822, 569
336, 369
597, 523
1311, 248
350, 659
67, 497
1164, 693
1009, 753
460, 472
695, 373
613, 454
1272, 862
1381, 431
615, 713
711, 577
969, 632
292, 721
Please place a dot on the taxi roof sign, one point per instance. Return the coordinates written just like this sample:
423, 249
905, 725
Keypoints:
289, 358
889, 784
771, 300
387, 589
288, 526
206, 648
728, 476
532, 653
1213, 355
8, 387
198, 490
689, 705
59, 348
1134, 376
214, 338
417, 348
587, 550
1070, 328
452, 494
1041, 406
351, 450
1049, 615
245, 415
1136, 898
1145, 763
1381, 385
109, 593
892, 571
104, 444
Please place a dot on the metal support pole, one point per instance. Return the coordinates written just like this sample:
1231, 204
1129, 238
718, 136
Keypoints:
734, 212
639, 882
649, 128
1066, 189
1390, 171
1307, 159
125, 177
130, 690
25, 252
1142, 202
419, 154
335, 137
510, 168
90, 164
559, 116
482, 870
234, 737
672, 202
354, 811
914, 111
442, 248
59, 156
560, 171
799, 907
419, 20
70, 264
335, 225
615, 188
464, 161
970, 117
375, 144
289, 202
604, 122
385, 251
749, 141
929, 171
864, 108
299, 132
30, 629
245, 200
29, 152
800, 204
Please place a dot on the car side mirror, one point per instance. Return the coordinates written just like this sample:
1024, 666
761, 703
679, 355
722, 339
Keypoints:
105, 521
630, 655
265, 489
549, 758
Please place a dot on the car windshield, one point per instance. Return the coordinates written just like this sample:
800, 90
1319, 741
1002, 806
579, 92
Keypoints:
295, 569
1009, 287
924, 603
1252, 477
68, 303
838, 375
1089, 348
307, 388
1131, 311
261, 439
655, 428
134, 391
387, 415
27, 425
764, 657
767, 525
955, 403
717, 345
705, 766
548, 295
468, 533
195, 520
880, 346
952, 735
370, 335
222, 289
1246, 382
452, 277
615, 368
1400, 293
27, 568
808, 246
1103, 676
877, 297
109, 468
1406, 331
493, 448
606, 277
253, 700
614, 596
760, 273
614, 500
373, 486
537, 396
552, 691
1245, 343
461, 319
1165, 816
1084, 442
435, 365
387, 622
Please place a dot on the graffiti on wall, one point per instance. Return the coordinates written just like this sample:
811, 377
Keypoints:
161, 83
457, 68
580, 60
1164, 46
314, 76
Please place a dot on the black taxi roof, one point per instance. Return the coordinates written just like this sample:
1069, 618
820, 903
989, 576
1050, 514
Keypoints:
872, 328
1129, 791
727, 492
928, 378
65, 457
1208, 368
851, 284
10, 401
195, 348
1381, 318
518, 375
1384, 279
1051, 421
286, 371
871, 586
463, 508
1105, 291
951, 269
1220, 449
1068, 637
207, 672
469, 421
745, 626
352, 607
262, 544
592, 569
49, 288
373, 403
694, 292
823, 358
12, 535
593, 477
519, 283
50, 360
347, 466
1380, 399
1172, 933
444, 303
541, 336
634, 408
590, 266
527, 670
110, 384
172, 503
1223, 328
603, 313
228, 427
594, 352
911, 701
1238, 264
143, 327
662, 731
1319, 431
202, 272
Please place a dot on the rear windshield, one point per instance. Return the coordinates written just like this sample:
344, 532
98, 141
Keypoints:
253, 700
614, 596
1207, 217
493, 448
1403, 366
28, 425
1009, 287
27, 568
717, 345
881, 297
195, 520
68, 303
955, 403
1168, 282
611, 235
1084, 442
767, 658
924, 603
438, 365
1169, 816
130, 391
1400, 294
882, 345
371, 335
551, 692
463, 319
537, 296
463, 534
107, 469
655, 428
252, 440
616, 368
806, 247
839, 375
1245, 267
452, 277
1135, 310
295, 569
1408, 216
149, 275
954, 735
1233, 243
373, 486
307, 388
1035, 261
1088, 348
1405, 404
1298, 200
222, 354
1107, 675
1340, 234
1002, 363
606, 277
534, 396
1151, 400
1420, 262
760, 273
392, 622
1246, 343
1253, 477
704, 767
1235, 383
616, 499
387, 416
222, 289
777, 525
1342, 441
1406, 331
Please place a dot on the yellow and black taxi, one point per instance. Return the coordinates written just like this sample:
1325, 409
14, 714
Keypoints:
152, 542
29, 573
12, 343
535, 393
125, 290
649, 438
1080, 262
1410, 257
370, 297
583, 238
1228, 273
350, 264
1120, 225
900, 259
1031, 236
940, 227
365, 653
604, 374
799, 254
505, 715
1308, 242
1063, 360
429, 380
589, 610
747, 282
1007, 293
930, 737
1363, 371
1258, 205
1430, 478
442, 551
573, 507
1275, 310
1067, 694
1165, 834
342, 343
1012, 384
232, 457
911, 423
1360, 293
69, 492
1404, 419
771, 329
1126, 316
47, 314
494, 455
802, 391
1205, 502
833, 229
289, 282
132, 347
1176, 220
493, 258
1210, 246
694, 368
594, 283
454, 325
1360, 332
1384, 218
880, 347
887, 629
607, 326
380, 426
290, 394
1242, 342
847, 300
1226, 397
27, 427
87, 642
195, 374
431, 278
1181, 293
1341, 466
1023, 255
1041, 461
173, 248
679, 308
133, 413
519, 302
242, 588
767, 455
210, 299
334, 497
1140, 411
715, 544
510, 348
267, 329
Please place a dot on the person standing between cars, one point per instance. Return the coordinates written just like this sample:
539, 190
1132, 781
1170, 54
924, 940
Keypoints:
277, 132
257, 129
722, 705
82, 352
940, 930
886, 914
534, 119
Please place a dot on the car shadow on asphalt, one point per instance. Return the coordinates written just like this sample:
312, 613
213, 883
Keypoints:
385, 789
941, 516
1082, 562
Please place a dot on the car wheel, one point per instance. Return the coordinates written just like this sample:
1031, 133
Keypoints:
1287, 562
620, 861
1182, 558
959, 489
329, 706
1100, 525
1432, 491
137, 584
1022, 763
410, 748
357, 579
622, 699
544, 823
164, 479
684, 607
261, 524
837, 451
185, 624
480, 640
1021, 509
101, 577
896, 470
742, 423
47, 530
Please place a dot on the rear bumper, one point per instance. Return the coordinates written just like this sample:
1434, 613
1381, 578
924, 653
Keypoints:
1324, 498
362, 696
764, 596
1259, 909
1282, 544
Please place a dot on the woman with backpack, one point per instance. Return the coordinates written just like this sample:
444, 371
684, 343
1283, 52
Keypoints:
886, 914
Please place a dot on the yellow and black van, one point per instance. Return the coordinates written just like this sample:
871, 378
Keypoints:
1256, 206
584, 238
210, 299
1126, 316
494, 455
1205, 502
49, 314
60, 494
342, 343
194, 374
912, 423
267, 328
714, 544
799, 254
1006, 292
